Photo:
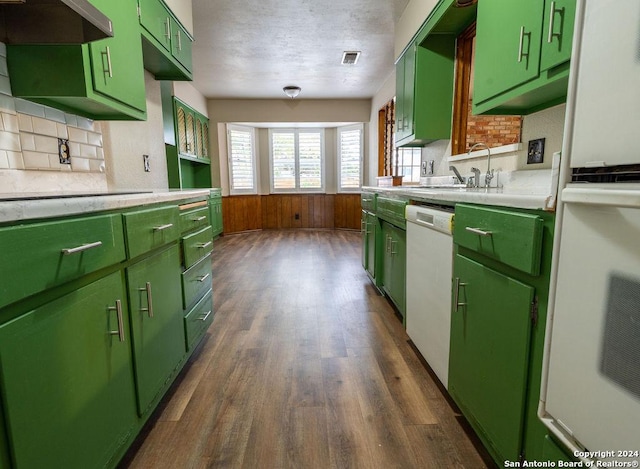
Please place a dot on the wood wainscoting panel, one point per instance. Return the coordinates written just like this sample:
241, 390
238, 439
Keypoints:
284, 211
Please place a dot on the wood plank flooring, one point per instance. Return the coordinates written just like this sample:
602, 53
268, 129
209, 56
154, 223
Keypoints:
304, 366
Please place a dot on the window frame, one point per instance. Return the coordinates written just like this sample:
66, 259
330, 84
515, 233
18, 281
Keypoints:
254, 167
339, 130
297, 189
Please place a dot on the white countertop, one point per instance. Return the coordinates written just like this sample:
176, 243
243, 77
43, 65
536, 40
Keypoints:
534, 189
17, 207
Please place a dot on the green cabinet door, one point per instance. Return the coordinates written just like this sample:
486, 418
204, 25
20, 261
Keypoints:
557, 32
394, 264
363, 233
67, 380
371, 244
155, 300
507, 49
399, 105
409, 90
489, 354
155, 18
117, 61
215, 208
181, 45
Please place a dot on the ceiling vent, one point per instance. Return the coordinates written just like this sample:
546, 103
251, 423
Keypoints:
350, 57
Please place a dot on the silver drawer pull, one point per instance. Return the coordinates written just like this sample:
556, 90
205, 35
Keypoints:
478, 231
149, 308
84, 247
118, 310
162, 227
203, 278
204, 318
205, 245
203, 217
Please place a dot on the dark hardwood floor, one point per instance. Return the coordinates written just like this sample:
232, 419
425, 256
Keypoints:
304, 366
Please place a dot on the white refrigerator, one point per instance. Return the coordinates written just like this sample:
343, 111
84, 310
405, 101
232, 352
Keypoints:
590, 396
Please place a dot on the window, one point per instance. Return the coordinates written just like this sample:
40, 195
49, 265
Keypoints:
408, 164
297, 160
350, 154
242, 159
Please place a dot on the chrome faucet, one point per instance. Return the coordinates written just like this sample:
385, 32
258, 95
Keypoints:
455, 170
476, 177
489, 176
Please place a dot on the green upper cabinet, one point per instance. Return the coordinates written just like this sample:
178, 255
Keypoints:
522, 55
424, 87
101, 80
67, 379
167, 46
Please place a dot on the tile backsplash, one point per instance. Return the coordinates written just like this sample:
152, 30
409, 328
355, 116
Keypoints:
30, 133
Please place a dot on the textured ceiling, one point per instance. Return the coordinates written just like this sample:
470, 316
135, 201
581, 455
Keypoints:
252, 49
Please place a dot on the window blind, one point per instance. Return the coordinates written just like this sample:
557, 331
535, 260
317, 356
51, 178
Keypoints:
241, 159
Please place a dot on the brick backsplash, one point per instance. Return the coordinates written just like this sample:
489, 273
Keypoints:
29, 134
495, 131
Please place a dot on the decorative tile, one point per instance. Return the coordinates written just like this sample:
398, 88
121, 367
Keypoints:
10, 122
3, 50
86, 124
24, 122
100, 153
62, 131
4, 70
4, 160
46, 144
9, 141
74, 149
54, 115
77, 135
35, 160
88, 151
7, 103
97, 166
27, 141
5, 85
44, 127
94, 138
80, 164
54, 162
71, 119
66, 167
15, 160
27, 107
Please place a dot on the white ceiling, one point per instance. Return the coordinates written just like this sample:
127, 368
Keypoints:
253, 48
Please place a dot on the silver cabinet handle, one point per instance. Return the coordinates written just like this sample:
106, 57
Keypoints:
167, 29
204, 318
162, 227
179, 36
456, 294
205, 245
521, 52
552, 15
118, 310
478, 231
149, 308
393, 243
109, 70
387, 247
203, 217
84, 247
203, 278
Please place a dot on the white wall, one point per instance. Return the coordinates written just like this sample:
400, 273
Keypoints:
186, 92
412, 18
261, 111
183, 11
125, 142
386, 92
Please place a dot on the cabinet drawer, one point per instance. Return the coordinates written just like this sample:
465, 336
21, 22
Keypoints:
198, 320
368, 201
151, 228
196, 281
194, 219
42, 255
391, 210
513, 238
197, 245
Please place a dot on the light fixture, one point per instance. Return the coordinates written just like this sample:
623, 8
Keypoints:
292, 91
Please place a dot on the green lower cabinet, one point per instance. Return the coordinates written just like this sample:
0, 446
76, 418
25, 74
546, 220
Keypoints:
489, 356
394, 264
155, 300
198, 320
215, 206
369, 223
67, 379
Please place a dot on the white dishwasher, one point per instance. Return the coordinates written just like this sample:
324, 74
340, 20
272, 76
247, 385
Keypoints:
429, 273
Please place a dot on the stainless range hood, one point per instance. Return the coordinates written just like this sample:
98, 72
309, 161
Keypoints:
52, 22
